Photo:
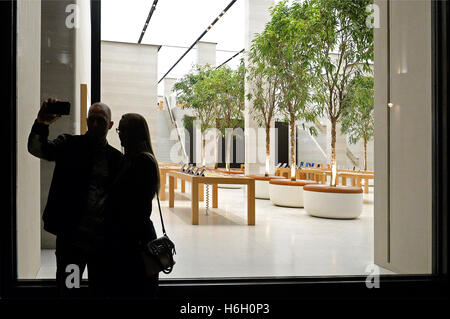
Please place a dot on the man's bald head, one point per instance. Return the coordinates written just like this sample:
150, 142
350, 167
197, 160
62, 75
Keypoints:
99, 120
99, 106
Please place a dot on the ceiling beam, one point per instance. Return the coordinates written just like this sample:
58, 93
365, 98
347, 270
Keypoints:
152, 9
231, 58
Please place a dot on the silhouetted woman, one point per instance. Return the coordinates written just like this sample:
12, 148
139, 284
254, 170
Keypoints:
127, 214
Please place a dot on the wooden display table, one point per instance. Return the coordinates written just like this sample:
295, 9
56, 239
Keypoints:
214, 178
231, 171
286, 172
320, 175
357, 178
262, 185
164, 168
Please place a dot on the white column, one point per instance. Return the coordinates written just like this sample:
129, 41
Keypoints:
206, 53
177, 111
178, 114
256, 16
28, 166
168, 86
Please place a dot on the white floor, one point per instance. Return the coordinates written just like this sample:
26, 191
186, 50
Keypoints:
284, 242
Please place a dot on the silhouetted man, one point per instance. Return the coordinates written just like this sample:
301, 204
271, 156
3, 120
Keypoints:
85, 167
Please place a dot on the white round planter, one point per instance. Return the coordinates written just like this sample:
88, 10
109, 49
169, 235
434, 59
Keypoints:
231, 172
340, 202
262, 185
232, 186
284, 192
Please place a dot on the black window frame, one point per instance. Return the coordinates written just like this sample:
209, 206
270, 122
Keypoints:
434, 286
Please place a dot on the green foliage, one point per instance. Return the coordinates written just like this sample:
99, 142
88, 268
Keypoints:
357, 117
344, 49
213, 94
185, 87
229, 88
188, 122
308, 61
287, 44
263, 75
196, 91
281, 60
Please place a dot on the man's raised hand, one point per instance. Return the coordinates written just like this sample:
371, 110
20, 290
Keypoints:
43, 116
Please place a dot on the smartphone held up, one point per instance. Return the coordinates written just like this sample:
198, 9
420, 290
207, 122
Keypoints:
58, 108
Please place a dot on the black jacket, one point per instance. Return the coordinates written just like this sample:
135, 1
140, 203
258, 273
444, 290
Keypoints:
129, 205
72, 154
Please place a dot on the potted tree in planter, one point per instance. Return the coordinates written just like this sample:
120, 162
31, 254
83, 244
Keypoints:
357, 116
265, 96
290, 36
344, 48
285, 45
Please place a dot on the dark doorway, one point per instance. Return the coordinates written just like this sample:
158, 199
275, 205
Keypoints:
189, 139
282, 139
235, 162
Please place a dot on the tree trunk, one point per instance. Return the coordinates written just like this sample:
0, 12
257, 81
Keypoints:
216, 150
267, 172
228, 138
365, 154
203, 151
292, 126
333, 153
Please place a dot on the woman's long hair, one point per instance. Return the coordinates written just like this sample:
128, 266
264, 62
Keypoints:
138, 138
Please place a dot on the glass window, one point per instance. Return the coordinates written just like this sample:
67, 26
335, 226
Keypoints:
351, 115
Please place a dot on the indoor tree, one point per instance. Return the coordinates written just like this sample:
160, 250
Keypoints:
289, 37
229, 87
264, 85
343, 48
357, 117
196, 91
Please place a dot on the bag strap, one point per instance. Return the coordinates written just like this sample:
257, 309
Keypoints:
157, 196
160, 214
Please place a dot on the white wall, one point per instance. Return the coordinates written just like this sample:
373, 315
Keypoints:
206, 53
341, 146
308, 150
28, 167
404, 236
129, 84
358, 150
